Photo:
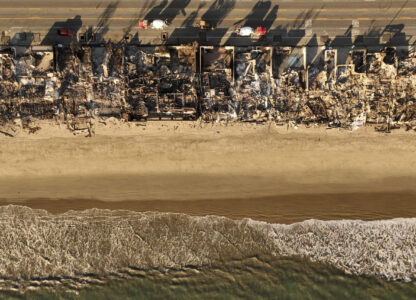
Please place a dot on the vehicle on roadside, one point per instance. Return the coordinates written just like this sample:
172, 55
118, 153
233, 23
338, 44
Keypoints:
155, 24
249, 31
66, 32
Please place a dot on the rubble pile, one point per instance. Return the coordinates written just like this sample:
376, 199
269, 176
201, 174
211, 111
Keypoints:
25, 80
217, 81
254, 85
162, 82
73, 88
9, 86
289, 101
76, 84
108, 93
369, 88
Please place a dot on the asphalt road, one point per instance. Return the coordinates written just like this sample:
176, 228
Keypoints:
285, 20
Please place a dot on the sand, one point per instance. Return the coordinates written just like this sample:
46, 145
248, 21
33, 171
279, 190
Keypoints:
265, 172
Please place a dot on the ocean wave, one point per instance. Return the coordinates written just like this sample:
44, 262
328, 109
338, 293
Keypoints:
36, 246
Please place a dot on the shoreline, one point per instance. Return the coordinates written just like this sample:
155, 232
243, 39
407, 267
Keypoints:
214, 169
279, 209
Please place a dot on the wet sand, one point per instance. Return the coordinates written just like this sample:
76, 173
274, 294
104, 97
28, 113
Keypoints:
269, 173
284, 209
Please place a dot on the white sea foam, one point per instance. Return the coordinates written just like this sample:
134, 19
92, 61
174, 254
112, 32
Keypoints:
38, 246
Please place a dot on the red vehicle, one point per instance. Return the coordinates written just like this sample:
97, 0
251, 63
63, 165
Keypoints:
143, 24
66, 32
261, 30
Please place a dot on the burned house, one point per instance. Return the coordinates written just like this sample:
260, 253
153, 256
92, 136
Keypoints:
368, 88
74, 80
286, 59
8, 85
162, 82
9, 88
107, 63
291, 79
218, 98
77, 83
254, 85
31, 80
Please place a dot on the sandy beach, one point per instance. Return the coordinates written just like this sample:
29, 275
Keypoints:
263, 171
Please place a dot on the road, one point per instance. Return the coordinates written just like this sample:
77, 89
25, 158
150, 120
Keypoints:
286, 21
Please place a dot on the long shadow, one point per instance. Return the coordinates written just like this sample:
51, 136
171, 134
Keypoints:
148, 4
155, 12
173, 9
373, 30
183, 36
256, 16
217, 12
271, 17
312, 53
191, 18
374, 37
214, 16
20, 42
304, 16
53, 37
103, 22
135, 40
397, 35
342, 40
292, 34
168, 13
262, 14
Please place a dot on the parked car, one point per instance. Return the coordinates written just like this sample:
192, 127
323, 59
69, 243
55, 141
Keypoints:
158, 24
244, 31
66, 32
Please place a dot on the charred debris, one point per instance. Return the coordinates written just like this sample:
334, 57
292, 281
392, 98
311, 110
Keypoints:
78, 85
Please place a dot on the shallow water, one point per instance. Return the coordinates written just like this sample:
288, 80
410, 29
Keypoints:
99, 253
252, 278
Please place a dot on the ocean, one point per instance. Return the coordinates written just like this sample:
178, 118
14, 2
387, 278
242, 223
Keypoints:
107, 254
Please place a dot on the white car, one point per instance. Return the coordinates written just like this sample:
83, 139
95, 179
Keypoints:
245, 31
158, 24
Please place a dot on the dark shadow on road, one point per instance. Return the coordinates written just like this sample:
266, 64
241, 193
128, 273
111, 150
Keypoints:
291, 35
312, 52
390, 35
155, 12
53, 38
104, 21
217, 12
271, 17
173, 9
342, 40
395, 35
262, 14
166, 12
256, 16
192, 17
